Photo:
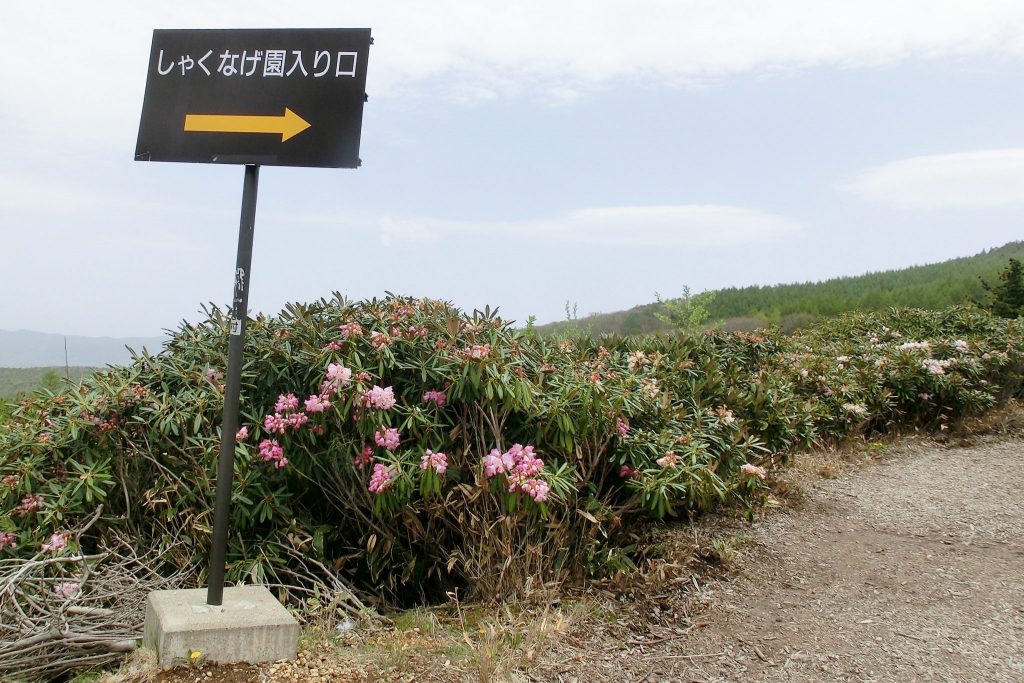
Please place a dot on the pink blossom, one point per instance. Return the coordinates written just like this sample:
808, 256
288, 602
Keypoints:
627, 472
381, 479
57, 542
855, 408
438, 461
528, 464
495, 463
936, 367
350, 330
271, 451
960, 346
388, 439
8, 540
384, 399
621, 426
296, 420
379, 339
214, 375
363, 457
10, 481
536, 489
275, 424
670, 459
317, 404
476, 351
338, 374
437, 397
67, 589
333, 346
286, 403
242, 434
28, 504
753, 471
517, 464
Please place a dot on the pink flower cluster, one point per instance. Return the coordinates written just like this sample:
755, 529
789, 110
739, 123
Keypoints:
278, 423
476, 351
214, 375
10, 481
286, 403
381, 398
363, 457
350, 330
855, 408
520, 465
627, 472
960, 346
286, 416
317, 404
621, 426
382, 478
670, 459
936, 367
437, 461
435, 396
8, 540
271, 451
380, 339
910, 346
338, 375
57, 542
388, 439
28, 504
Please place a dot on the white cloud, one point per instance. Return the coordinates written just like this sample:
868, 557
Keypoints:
687, 225
90, 57
978, 179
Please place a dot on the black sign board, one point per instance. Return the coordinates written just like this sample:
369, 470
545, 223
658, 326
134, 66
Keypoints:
273, 97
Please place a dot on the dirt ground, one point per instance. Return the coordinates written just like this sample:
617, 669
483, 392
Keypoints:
905, 563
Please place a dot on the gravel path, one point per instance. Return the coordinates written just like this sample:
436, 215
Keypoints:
911, 569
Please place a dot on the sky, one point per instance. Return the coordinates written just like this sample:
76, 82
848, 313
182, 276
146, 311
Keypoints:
525, 155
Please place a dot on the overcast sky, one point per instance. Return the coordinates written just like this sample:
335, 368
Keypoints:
521, 154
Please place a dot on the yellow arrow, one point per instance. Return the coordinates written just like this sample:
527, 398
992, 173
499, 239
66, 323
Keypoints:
288, 125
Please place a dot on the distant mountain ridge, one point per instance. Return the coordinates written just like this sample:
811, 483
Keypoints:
930, 286
28, 349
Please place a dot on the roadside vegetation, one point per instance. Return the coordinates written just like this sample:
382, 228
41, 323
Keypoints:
397, 452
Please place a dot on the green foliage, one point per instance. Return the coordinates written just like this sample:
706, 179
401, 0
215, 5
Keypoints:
688, 313
629, 429
1006, 297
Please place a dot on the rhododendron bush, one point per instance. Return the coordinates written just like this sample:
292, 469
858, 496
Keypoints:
411, 448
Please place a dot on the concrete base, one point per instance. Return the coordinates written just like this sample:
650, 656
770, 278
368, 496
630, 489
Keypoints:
251, 626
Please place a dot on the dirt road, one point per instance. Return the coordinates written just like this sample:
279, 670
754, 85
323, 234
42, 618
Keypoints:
909, 569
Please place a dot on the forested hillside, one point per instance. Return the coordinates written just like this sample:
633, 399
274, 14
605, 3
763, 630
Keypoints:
932, 286
19, 381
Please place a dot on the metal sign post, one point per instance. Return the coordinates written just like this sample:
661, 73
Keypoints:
229, 425
258, 97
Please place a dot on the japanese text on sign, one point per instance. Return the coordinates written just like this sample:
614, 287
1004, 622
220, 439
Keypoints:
261, 63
